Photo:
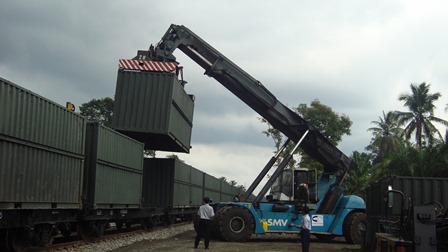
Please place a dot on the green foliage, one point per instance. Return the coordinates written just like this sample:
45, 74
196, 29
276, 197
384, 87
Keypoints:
233, 183
398, 163
98, 110
241, 188
410, 161
175, 157
386, 136
101, 110
394, 155
359, 177
441, 160
421, 114
149, 153
321, 116
330, 124
273, 133
279, 141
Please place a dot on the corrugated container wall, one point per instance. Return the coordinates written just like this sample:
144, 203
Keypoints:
419, 190
42, 151
153, 108
226, 191
167, 183
197, 186
113, 169
212, 187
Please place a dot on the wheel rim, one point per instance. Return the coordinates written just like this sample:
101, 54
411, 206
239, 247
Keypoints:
119, 225
360, 227
237, 224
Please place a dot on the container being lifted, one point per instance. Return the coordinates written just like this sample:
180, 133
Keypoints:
152, 106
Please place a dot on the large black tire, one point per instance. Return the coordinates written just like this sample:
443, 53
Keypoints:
236, 224
354, 228
216, 232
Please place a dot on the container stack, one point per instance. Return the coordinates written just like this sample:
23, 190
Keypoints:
42, 151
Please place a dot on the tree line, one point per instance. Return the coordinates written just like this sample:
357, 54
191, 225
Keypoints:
403, 143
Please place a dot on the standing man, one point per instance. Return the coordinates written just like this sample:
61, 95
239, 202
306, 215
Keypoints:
206, 214
305, 229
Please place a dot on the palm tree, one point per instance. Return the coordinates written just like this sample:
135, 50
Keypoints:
386, 135
421, 113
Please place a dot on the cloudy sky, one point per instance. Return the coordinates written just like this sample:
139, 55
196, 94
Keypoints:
355, 56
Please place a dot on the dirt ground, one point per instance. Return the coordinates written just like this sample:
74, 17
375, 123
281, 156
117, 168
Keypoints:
261, 243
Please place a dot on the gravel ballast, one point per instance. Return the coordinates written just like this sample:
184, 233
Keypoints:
108, 245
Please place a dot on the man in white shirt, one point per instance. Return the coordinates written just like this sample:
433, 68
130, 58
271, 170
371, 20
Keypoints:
305, 229
206, 214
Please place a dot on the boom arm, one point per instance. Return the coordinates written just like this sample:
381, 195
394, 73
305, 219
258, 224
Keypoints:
253, 93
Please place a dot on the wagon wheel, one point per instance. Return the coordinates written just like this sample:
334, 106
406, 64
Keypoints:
119, 225
43, 235
148, 223
88, 230
66, 229
169, 219
15, 240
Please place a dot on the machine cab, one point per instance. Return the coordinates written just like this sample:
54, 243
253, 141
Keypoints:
297, 184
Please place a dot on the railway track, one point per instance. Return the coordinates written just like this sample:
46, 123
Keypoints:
112, 238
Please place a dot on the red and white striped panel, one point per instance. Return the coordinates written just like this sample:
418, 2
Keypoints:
144, 65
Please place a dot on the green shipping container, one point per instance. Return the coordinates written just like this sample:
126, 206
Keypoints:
419, 190
167, 184
226, 191
197, 177
153, 108
212, 187
113, 169
42, 151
